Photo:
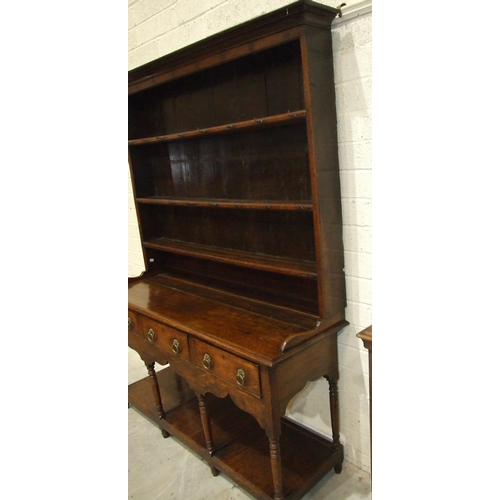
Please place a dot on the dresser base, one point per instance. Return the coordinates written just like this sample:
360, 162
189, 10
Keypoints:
241, 447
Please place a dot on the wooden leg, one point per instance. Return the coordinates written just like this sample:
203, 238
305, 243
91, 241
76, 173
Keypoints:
207, 428
156, 394
274, 447
334, 413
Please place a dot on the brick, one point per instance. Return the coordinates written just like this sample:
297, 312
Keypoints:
357, 238
355, 33
134, 245
353, 64
188, 11
355, 421
233, 12
136, 258
143, 54
131, 19
353, 383
356, 457
350, 396
357, 212
223, 17
132, 40
168, 21
359, 315
354, 126
358, 264
191, 32
132, 216
354, 94
168, 43
355, 155
145, 9
356, 183
353, 358
135, 270
131, 205
348, 337
148, 30
359, 289
133, 231
360, 443
130, 199
181, 35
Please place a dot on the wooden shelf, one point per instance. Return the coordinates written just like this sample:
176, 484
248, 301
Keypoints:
300, 470
290, 117
221, 203
279, 265
263, 308
234, 169
241, 447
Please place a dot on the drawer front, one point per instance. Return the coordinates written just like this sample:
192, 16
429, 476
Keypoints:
231, 368
172, 341
133, 323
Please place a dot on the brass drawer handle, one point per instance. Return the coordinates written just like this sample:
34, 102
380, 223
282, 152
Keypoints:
207, 361
151, 335
129, 322
240, 377
176, 346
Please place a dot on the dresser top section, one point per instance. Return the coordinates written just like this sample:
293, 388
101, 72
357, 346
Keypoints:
257, 34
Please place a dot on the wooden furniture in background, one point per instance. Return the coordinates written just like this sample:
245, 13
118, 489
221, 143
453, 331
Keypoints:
366, 336
233, 157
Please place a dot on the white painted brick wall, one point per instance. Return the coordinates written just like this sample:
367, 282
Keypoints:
158, 27
352, 45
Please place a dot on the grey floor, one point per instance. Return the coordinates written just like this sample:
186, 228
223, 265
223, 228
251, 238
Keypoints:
161, 469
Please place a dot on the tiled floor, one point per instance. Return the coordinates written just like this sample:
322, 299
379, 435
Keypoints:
162, 469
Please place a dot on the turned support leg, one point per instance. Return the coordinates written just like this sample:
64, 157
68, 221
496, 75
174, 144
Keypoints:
156, 394
334, 413
207, 428
274, 447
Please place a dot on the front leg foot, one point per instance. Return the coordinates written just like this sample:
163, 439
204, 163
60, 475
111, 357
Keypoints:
338, 469
274, 447
165, 433
156, 389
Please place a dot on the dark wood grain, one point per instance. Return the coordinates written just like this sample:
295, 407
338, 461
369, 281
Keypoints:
231, 256
223, 203
325, 181
255, 164
240, 446
294, 293
257, 335
233, 158
258, 86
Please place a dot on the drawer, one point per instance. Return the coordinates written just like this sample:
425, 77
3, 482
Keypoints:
231, 368
133, 323
172, 341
